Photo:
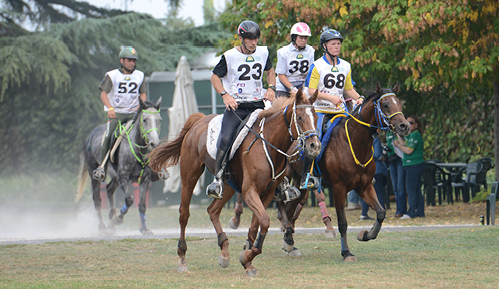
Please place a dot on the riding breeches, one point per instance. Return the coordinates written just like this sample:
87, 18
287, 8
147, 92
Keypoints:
110, 128
230, 122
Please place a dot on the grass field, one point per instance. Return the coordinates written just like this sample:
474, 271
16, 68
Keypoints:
451, 258
446, 258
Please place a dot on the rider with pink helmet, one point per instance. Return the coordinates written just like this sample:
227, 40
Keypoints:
294, 60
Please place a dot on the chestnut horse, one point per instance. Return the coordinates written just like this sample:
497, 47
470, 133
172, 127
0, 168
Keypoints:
346, 165
257, 167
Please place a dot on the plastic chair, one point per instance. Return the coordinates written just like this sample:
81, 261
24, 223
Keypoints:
469, 181
481, 178
436, 179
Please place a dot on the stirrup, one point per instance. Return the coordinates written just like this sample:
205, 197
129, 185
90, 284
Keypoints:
310, 183
215, 189
285, 192
99, 174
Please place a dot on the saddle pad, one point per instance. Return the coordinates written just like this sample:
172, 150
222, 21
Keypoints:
327, 134
214, 131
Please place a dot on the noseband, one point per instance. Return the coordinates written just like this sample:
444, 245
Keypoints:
143, 131
302, 135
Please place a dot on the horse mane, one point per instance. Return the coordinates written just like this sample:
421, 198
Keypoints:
278, 104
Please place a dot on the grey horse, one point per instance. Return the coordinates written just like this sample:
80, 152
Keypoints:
130, 164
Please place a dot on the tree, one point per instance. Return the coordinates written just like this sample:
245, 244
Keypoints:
445, 52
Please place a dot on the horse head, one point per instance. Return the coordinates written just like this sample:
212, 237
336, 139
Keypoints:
304, 119
388, 110
150, 122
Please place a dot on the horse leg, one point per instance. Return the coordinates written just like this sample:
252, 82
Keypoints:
214, 210
144, 185
98, 203
111, 188
260, 216
238, 210
339, 202
287, 228
117, 219
321, 200
371, 199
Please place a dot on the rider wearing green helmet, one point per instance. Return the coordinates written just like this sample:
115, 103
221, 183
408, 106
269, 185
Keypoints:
120, 92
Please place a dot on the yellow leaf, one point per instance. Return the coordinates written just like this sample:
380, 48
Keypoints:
409, 3
440, 71
428, 17
343, 11
269, 23
374, 57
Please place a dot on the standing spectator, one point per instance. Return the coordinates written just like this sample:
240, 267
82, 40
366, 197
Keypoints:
354, 201
294, 60
379, 177
397, 175
413, 163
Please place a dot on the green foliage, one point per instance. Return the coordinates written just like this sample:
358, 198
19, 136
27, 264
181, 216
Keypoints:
49, 94
444, 53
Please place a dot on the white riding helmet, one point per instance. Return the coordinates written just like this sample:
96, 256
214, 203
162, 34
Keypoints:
301, 29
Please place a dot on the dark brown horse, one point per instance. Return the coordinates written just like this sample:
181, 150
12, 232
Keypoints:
346, 165
257, 168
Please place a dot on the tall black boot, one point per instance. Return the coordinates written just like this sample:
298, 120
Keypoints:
308, 181
215, 189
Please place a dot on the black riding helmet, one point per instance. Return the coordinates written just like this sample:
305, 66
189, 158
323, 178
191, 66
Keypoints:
330, 34
248, 29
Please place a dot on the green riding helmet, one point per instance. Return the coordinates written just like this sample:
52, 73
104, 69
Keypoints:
129, 52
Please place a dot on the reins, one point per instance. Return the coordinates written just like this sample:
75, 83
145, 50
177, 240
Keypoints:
382, 120
143, 134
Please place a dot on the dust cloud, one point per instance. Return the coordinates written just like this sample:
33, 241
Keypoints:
46, 223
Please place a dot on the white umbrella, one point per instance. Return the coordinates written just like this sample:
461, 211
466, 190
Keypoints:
184, 104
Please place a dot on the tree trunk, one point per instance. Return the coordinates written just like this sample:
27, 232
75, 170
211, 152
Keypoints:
496, 126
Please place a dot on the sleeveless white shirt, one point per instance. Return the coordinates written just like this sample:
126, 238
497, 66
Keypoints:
294, 64
243, 80
124, 96
331, 80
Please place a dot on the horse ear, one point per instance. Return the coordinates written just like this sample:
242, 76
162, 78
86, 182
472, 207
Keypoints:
158, 103
396, 88
379, 89
313, 97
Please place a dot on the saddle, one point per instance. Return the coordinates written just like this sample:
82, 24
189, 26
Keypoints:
116, 138
242, 130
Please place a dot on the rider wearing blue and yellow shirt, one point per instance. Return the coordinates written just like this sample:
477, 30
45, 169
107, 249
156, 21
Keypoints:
332, 77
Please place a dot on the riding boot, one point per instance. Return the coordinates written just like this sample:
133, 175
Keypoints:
308, 181
285, 192
215, 189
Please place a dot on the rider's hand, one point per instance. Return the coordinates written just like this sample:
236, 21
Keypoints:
269, 95
336, 100
359, 100
111, 114
230, 102
294, 90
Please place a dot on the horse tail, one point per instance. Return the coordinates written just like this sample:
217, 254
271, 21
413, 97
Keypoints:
169, 153
82, 177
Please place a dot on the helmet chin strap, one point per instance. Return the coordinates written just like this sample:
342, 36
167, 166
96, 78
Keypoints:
331, 56
293, 40
127, 70
244, 45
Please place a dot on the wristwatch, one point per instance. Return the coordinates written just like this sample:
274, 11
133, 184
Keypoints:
272, 87
291, 87
223, 93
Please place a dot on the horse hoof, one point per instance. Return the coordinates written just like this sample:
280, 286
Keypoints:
330, 233
234, 223
117, 220
146, 232
294, 253
182, 268
112, 213
362, 236
350, 259
242, 258
224, 262
286, 247
251, 272
102, 227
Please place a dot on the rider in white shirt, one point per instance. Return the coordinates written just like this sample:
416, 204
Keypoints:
238, 79
120, 92
294, 61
